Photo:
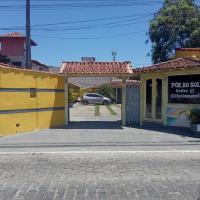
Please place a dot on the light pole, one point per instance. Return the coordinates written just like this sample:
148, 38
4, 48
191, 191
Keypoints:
114, 53
28, 36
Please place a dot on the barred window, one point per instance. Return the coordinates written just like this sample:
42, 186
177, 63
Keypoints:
32, 93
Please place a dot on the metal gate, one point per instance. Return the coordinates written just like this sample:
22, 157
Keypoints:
133, 104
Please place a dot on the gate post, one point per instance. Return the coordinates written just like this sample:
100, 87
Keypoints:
66, 87
123, 110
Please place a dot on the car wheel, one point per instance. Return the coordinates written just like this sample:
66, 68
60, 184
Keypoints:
105, 103
85, 102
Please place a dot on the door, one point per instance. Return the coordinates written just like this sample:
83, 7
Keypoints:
133, 105
153, 100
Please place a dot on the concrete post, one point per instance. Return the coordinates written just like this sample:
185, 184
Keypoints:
66, 87
123, 111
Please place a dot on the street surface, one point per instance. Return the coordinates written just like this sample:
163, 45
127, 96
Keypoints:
98, 159
100, 176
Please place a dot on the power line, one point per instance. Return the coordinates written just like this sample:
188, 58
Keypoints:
80, 4
125, 21
91, 38
85, 21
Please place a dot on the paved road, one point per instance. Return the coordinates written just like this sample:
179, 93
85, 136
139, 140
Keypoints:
99, 160
113, 176
99, 136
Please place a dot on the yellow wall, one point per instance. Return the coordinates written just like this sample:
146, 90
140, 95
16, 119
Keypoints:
189, 53
47, 108
165, 105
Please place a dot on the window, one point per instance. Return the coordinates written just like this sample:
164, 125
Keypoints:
88, 95
32, 93
17, 64
149, 98
158, 98
96, 95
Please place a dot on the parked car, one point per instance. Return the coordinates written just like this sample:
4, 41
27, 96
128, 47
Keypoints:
94, 98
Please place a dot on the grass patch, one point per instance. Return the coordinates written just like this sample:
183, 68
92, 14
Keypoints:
97, 110
111, 110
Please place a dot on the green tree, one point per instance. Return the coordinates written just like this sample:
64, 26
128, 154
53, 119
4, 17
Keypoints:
106, 90
175, 25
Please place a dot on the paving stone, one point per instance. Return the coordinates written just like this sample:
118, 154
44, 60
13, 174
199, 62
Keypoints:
114, 176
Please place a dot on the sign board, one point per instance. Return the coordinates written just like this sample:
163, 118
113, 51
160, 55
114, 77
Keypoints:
184, 89
178, 117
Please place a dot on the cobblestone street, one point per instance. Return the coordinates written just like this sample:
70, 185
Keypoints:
112, 176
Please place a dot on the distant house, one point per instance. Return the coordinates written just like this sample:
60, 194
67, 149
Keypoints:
13, 46
54, 69
36, 65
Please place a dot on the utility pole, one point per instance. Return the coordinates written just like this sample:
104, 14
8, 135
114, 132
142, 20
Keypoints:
114, 53
28, 35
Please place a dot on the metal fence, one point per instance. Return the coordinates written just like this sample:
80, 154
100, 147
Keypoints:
133, 105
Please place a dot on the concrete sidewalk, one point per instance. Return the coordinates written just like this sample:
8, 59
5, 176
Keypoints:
99, 136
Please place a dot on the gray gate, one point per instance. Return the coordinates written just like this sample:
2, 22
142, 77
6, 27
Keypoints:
133, 104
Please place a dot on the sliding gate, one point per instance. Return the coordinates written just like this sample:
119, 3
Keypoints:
133, 104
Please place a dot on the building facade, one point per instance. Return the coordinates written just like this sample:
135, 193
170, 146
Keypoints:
169, 90
13, 46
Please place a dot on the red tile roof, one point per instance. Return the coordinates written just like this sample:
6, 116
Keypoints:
96, 68
17, 35
179, 63
118, 83
12, 35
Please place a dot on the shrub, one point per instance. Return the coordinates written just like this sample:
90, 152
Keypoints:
195, 116
106, 90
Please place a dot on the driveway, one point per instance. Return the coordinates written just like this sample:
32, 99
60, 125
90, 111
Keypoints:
80, 112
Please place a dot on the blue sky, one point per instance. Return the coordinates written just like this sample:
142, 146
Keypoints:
127, 33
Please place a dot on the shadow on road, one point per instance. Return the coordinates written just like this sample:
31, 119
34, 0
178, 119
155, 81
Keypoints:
93, 125
183, 132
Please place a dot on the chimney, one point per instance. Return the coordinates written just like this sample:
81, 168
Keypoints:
88, 59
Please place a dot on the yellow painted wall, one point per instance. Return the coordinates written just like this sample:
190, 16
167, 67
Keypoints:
183, 53
165, 105
16, 100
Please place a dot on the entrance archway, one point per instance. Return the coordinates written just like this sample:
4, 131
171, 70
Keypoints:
122, 70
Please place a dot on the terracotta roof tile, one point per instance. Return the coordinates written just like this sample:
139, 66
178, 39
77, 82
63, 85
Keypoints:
96, 68
179, 63
12, 35
118, 83
16, 35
